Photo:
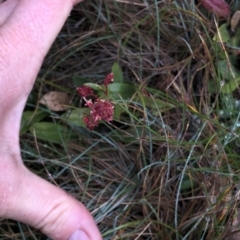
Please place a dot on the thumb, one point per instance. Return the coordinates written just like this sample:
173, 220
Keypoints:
48, 208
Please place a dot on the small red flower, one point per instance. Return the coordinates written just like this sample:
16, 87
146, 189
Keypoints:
90, 123
108, 79
85, 91
219, 7
89, 103
101, 110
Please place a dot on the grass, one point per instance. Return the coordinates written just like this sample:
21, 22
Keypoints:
158, 172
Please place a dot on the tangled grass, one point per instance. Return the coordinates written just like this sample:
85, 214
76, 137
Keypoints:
158, 173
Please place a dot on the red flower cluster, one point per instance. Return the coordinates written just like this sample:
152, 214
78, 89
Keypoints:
101, 110
108, 79
85, 91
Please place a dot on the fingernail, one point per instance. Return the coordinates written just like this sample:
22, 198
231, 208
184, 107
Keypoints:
79, 235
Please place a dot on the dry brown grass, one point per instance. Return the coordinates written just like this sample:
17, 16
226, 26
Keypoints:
174, 178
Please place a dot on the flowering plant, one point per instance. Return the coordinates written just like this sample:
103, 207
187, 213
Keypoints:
101, 109
112, 100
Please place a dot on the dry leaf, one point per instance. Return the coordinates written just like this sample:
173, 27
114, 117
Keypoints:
56, 101
235, 20
219, 7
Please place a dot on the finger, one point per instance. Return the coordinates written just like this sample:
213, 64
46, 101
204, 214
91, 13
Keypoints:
6, 9
26, 37
46, 207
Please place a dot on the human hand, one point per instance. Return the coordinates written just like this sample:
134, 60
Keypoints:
27, 30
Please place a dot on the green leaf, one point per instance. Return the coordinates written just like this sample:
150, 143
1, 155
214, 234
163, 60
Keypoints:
119, 91
230, 86
117, 73
187, 183
31, 117
224, 34
78, 81
52, 132
94, 86
234, 42
76, 116
212, 86
156, 105
218, 51
227, 70
117, 112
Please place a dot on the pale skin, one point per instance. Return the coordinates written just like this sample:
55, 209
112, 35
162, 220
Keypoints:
27, 31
